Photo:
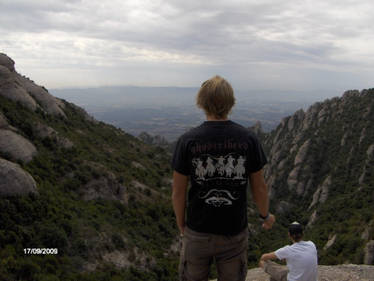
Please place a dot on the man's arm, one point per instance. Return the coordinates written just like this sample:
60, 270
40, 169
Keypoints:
266, 257
180, 183
260, 196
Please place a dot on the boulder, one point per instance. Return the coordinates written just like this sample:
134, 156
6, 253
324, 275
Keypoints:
312, 219
21, 89
283, 207
3, 122
16, 93
315, 198
48, 102
43, 131
7, 62
322, 192
325, 190
302, 153
137, 165
14, 180
330, 242
5, 75
369, 253
106, 187
16, 146
292, 178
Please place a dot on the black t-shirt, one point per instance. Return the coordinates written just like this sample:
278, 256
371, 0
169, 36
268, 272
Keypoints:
218, 156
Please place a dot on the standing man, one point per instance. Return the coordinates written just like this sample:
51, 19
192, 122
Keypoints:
301, 258
217, 158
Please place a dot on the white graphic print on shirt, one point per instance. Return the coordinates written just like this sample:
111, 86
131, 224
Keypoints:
229, 170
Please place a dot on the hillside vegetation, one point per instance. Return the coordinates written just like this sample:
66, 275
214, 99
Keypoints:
97, 194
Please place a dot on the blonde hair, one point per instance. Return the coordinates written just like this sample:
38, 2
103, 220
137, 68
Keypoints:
216, 97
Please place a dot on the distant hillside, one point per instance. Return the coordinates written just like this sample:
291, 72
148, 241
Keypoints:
170, 111
67, 181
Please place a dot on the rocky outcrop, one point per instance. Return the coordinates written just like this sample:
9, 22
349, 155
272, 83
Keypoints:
366, 173
322, 157
369, 253
3, 121
20, 89
84, 113
14, 91
155, 140
137, 165
346, 272
43, 131
322, 192
16, 146
14, 180
330, 242
48, 102
106, 187
312, 219
302, 153
7, 62
283, 207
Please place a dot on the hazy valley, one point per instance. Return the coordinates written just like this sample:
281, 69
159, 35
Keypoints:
170, 111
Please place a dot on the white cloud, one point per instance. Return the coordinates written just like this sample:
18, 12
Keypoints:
249, 40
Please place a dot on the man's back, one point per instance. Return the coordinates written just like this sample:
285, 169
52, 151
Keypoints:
218, 156
302, 260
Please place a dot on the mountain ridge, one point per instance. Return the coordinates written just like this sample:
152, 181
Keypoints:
322, 160
94, 193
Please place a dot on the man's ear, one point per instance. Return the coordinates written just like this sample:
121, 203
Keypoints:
289, 236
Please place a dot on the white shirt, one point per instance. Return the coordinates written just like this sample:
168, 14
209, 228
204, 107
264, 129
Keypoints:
302, 261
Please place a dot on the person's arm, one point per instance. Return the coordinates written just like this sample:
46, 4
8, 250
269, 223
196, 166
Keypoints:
266, 257
260, 196
180, 183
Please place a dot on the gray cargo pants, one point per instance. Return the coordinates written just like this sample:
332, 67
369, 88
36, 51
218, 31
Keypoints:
200, 249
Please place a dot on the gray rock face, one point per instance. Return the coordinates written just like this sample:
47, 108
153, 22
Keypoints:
105, 188
292, 178
44, 131
330, 242
346, 272
368, 165
312, 219
14, 180
5, 74
3, 122
7, 62
48, 102
15, 92
20, 89
283, 207
16, 146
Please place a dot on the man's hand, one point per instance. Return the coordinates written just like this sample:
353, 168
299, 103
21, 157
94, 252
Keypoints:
268, 223
181, 229
266, 257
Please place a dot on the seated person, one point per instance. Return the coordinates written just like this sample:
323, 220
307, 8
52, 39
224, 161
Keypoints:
301, 258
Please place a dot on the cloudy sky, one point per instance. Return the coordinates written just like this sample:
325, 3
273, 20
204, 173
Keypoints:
256, 44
